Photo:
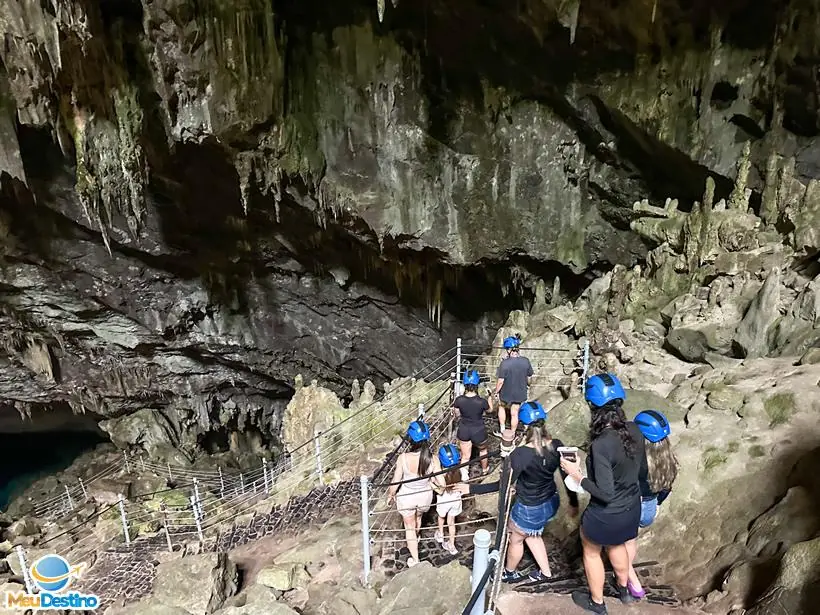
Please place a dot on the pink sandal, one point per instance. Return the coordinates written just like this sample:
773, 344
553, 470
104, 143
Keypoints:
635, 593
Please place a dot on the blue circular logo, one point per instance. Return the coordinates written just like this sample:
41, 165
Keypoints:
52, 573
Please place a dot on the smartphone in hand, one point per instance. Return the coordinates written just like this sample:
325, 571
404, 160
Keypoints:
570, 453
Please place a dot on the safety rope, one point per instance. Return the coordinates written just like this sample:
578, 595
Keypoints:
501, 538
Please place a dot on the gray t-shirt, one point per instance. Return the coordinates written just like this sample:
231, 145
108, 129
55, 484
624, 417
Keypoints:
514, 371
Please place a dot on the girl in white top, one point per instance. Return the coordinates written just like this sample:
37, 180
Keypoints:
448, 502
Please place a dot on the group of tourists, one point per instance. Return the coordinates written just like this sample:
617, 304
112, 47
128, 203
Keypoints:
629, 471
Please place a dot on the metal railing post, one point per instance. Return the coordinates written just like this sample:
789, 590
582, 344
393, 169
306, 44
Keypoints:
124, 520
127, 465
585, 375
68, 495
319, 471
196, 519
481, 556
82, 486
365, 532
221, 484
265, 474
421, 412
457, 383
242, 483
198, 500
142, 462
170, 476
24, 569
164, 510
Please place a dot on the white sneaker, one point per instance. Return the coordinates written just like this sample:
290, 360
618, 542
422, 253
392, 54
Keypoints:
439, 537
451, 549
465, 474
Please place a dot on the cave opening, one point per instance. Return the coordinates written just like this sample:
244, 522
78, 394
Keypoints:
48, 440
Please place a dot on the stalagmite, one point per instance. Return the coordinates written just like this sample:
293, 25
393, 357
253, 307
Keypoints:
740, 197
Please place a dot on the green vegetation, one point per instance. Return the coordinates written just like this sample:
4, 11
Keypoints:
779, 407
712, 458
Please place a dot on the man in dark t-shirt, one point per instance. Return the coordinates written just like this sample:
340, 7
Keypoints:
513, 374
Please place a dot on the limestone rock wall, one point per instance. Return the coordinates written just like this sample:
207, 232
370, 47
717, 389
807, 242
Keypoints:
198, 199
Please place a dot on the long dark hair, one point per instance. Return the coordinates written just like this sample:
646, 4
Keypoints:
425, 456
611, 416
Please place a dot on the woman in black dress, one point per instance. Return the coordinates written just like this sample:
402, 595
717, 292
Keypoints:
612, 516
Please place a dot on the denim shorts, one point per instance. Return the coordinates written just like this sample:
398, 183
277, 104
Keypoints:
649, 510
530, 520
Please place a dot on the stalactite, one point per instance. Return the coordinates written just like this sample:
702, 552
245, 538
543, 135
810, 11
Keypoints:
568, 12
380, 9
654, 10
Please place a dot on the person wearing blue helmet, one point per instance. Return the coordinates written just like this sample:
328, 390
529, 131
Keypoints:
656, 476
513, 380
470, 408
612, 516
410, 487
448, 501
534, 464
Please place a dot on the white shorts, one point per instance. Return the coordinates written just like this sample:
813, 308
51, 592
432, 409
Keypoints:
449, 504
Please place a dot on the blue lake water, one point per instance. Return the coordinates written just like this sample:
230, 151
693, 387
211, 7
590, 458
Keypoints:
26, 457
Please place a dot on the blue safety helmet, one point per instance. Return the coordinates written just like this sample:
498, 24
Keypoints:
449, 456
471, 377
418, 431
602, 389
530, 412
653, 425
511, 343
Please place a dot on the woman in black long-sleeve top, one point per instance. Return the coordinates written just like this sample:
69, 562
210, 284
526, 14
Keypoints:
533, 465
612, 516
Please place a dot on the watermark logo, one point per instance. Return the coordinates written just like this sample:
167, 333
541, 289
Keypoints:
53, 576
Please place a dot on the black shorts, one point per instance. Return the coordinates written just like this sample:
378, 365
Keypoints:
608, 529
507, 404
477, 434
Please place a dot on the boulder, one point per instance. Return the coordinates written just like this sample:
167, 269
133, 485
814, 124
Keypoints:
350, 601
697, 342
257, 600
200, 584
425, 590
107, 490
283, 577
147, 428
810, 357
22, 527
725, 399
752, 335
796, 590
560, 319
793, 519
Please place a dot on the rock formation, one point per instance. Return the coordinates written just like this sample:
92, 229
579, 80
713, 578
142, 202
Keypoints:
199, 202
